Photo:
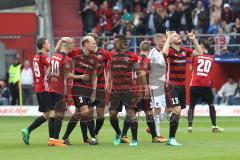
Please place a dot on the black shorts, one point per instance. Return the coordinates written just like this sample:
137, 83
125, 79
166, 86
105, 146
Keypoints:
82, 97
176, 97
144, 105
59, 101
118, 99
44, 101
204, 92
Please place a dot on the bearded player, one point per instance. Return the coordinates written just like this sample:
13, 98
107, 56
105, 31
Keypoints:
121, 80
201, 85
176, 56
40, 65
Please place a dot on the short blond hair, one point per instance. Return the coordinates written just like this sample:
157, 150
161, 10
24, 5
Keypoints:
159, 35
94, 35
145, 46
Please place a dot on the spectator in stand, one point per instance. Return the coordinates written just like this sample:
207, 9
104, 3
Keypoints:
227, 14
227, 90
153, 21
141, 29
235, 99
226, 27
186, 17
89, 17
119, 5
27, 83
221, 41
174, 19
5, 93
126, 17
215, 10
131, 41
129, 4
234, 39
214, 28
200, 18
105, 15
116, 19
236, 7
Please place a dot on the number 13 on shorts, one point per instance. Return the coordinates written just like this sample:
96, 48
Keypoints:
175, 100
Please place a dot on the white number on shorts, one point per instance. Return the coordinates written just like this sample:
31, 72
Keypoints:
55, 68
36, 69
80, 99
175, 100
204, 66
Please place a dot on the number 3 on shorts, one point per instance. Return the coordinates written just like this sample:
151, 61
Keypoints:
80, 99
175, 101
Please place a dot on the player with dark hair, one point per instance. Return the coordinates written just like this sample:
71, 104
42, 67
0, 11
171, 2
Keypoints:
176, 56
143, 94
201, 85
121, 72
84, 91
40, 65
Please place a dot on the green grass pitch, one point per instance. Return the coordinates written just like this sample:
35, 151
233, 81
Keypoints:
202, 144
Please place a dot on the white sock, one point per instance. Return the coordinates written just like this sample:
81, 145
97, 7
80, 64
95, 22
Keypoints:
157, 124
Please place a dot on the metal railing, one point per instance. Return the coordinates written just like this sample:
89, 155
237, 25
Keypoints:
222, 44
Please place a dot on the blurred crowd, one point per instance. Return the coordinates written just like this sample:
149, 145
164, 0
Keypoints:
147, 17
18, 85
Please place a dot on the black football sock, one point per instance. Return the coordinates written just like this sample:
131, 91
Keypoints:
91, 126
134, 129
174, 120
57, 126
70, 127
38, 122
190, 116
151, 125
115, 124
83, 125
126, 126
212, 113
99, 124
51, 122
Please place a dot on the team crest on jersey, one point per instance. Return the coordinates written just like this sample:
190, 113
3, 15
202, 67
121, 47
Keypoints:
100, 57
91, 61
184, 53
126, 59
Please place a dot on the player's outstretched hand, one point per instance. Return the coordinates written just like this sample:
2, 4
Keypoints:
86, 77
191, 35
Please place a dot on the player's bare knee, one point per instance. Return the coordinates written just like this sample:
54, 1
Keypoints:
59, 113
51, 113
177, 110
157, 111
46, 114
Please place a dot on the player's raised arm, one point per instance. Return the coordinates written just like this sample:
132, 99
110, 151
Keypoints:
167, 44
198, 50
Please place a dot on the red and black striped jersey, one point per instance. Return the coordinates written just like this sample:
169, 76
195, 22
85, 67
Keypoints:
85, 64
122, 70
103, 58
40, 65
59, 65
176, 65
